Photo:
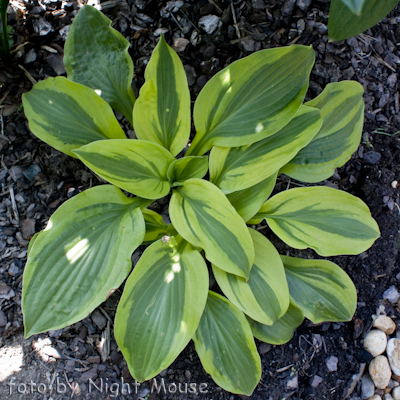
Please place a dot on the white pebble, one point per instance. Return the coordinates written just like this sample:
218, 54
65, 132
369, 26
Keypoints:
385, 324
393, 352
375, 342
392, 294
379, 371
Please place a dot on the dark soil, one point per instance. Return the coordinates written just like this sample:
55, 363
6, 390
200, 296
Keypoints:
40, 179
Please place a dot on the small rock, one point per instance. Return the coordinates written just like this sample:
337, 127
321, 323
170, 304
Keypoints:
42, 27
391, 294
388, 396
13, 270
180, 44
288, 7
292, 383
70, 366
210, 23
99, 319
21, 241
331, 363
91, 374
372, 157
385, 324
27, 226
380, 372
51, 352
367, 387
3, 319
264, 348
64, 32
393, 353
56, 333
16, 173
396, 393
375, 397
93, 359
315, 381
375, 342
30, 56
56, 62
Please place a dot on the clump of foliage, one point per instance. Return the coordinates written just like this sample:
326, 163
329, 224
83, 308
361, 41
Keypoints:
252, 118
348, 18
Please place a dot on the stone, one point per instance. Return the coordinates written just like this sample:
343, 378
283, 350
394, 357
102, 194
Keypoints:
315, 381
27, 227
375, 342
375, 397
396, 393
391, 294
387, 396
331, 363
380, 372
30, 56
393, 353
264, 348
3, 319
385, 324
91, 374
372, 157
99, 319
210, 23
292, 383
367, 387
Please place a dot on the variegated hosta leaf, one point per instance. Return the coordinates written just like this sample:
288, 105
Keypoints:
161, 306
162, 111
281, 331
156, 228
226, 347
204, 217
67, 115
343, 24
265, 297
238, 168
187, 168
252, 98
134, 165
248, 201
83, 254
354, 5
342, 110
330, 221
96, 56
322, 290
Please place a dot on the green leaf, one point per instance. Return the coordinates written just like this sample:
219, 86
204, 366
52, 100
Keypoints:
248, 201
282, 330
342, 110
134, 165
343, 24
161, 306
265, 297
187, 168
355, 6
226, 347
321, 289
83, 254
204, 217
32, 242
67, 115
96, 56
252, 98
155, 226
238, 168
162, 111
330, 221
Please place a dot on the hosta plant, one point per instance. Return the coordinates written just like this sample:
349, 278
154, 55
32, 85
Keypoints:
252, 119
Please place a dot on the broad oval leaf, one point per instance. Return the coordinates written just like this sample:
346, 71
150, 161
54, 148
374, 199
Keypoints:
282, 330
343, 24
330, 221
252, 98
342, 110
162, 111
67, 115
96, 56
265, 297
187, 168
204, 217
226, 347
156, 228
83, 254
238, 168
161, 306
322, 290
134, 165
248, 201
354, 5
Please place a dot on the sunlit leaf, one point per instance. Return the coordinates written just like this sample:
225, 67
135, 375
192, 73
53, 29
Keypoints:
187, 168
155, 226
162, 111
161, 306
322, 290
83, 254
134, 165
67, 115
226, 347
96, 55
330, 221
265, 297
204, 217
252, 98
